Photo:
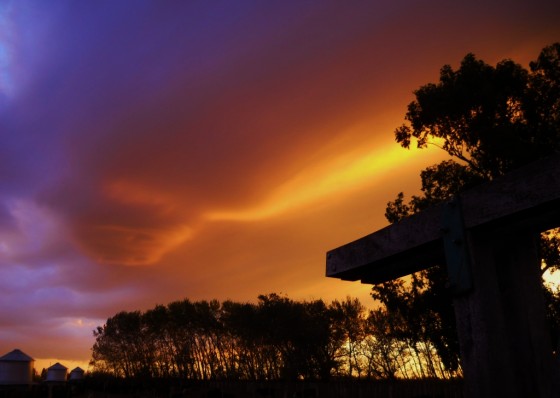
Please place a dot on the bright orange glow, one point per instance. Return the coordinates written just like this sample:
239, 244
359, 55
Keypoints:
338, 176
45, 363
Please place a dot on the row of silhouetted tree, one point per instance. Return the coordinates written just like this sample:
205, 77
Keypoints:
274, 339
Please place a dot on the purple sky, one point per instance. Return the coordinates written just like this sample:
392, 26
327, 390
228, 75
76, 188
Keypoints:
153, 151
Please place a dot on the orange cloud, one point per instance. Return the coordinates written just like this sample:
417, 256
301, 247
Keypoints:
333, 176
116, 244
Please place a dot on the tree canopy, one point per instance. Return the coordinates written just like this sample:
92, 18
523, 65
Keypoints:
274, 339
490, 120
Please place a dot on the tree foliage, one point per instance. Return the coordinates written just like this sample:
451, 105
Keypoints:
490, 120
273, 339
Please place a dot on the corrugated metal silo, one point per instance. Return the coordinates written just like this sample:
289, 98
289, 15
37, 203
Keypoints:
56, 373
16, 368
76, 374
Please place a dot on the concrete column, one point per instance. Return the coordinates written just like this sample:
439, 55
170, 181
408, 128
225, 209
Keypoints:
505, 342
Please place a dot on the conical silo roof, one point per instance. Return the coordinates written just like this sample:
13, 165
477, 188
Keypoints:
57, 366
16, 356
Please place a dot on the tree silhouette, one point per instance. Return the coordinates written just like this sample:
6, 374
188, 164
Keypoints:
275, 338
490, 120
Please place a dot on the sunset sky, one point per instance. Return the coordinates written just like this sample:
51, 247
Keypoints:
153, 151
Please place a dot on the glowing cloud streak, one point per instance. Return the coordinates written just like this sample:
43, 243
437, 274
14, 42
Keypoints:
341, 175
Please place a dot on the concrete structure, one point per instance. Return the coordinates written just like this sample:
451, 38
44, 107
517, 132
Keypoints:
488, 239
56, 373
16, 368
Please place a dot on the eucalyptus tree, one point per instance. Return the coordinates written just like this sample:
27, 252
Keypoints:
490, 120
120, 346
385, 353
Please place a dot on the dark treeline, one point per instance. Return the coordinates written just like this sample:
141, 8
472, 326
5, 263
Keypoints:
274, 339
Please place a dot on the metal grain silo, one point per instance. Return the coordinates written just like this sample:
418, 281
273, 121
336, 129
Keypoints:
76, 374
16, 368
56, 373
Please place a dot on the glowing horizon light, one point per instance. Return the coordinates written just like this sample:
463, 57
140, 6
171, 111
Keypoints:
551, 279
45, 363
